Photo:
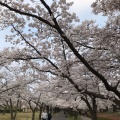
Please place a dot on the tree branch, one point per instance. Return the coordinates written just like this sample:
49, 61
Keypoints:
26, 14
26, 40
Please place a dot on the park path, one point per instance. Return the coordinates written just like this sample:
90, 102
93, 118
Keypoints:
85, 118
61, 116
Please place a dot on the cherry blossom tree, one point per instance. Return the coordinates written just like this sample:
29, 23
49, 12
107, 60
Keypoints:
55, 26
84, 54
10, 98
106, 6
90, 92
13, 83
28, 97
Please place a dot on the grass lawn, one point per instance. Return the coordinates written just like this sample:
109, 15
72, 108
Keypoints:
20, 116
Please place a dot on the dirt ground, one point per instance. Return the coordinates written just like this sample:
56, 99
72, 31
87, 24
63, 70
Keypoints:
110, 116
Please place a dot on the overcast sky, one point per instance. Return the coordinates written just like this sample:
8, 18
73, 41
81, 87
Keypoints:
80, 7
83, 9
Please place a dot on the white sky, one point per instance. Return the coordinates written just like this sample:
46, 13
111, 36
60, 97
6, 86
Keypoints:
83, 9
80, 7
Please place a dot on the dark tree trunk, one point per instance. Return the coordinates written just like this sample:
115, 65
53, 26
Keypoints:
47, 107
114, 108
11, 114
33, 114
94, 116
117, 102
41, 107
11, 111
15, 113
93, 108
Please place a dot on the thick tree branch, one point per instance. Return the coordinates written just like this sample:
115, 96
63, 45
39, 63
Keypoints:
90, 68
26, 14
47, 7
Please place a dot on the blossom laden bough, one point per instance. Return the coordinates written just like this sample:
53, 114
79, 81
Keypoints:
85, 54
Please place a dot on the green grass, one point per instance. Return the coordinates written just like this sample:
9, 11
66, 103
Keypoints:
20, 116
